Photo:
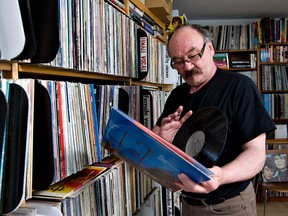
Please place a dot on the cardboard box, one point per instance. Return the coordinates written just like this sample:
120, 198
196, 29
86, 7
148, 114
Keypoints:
161, 8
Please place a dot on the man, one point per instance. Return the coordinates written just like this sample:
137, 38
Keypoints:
229, 192
280, 161
269, 171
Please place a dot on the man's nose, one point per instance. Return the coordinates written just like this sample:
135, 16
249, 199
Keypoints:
188, 65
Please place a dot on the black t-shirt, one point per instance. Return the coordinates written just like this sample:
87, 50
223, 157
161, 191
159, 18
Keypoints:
238, 97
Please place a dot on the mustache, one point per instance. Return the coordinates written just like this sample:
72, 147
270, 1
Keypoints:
191, 72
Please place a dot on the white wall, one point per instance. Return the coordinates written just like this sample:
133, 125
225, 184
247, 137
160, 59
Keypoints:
222, 22
215, 21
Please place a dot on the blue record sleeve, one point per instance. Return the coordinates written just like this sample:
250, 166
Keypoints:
149, 153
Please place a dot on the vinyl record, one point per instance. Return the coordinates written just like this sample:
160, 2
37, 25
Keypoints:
203, 135
123, 100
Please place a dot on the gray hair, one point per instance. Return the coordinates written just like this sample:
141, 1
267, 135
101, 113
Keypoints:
202, 30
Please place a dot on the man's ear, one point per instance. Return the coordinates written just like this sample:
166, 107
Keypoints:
211, 48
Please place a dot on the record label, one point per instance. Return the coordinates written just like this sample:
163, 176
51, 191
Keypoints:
195, 143
203, 135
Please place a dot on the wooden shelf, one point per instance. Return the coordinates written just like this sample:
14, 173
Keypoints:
242, 69
274, 63
145, 9
273, 91
274, 44
236, 50
277, 141
15, 70
5, 65
62, 72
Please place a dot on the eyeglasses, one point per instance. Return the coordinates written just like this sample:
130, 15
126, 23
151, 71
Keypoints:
179, 64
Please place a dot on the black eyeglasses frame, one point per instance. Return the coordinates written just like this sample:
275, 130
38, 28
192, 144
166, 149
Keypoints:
182, 63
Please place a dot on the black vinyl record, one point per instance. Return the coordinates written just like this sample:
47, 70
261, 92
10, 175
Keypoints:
45, 15
30, 43
13, 173
123, 100
203, 135
43, 159
3, 117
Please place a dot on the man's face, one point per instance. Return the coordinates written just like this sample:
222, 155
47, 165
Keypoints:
280, 161
191, 56
268, 173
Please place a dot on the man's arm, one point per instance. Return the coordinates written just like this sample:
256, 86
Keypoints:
245, 166
248, 163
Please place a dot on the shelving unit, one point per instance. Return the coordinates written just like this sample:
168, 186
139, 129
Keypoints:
258, 58
269, 56
273, 85
274, 82
272, 62
242, 61
12, 69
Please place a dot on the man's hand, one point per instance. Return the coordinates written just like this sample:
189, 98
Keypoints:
171, 124
243, 167
206, 187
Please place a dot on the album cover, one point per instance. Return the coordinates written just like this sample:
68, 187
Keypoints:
72, 185
149, 153
276, 166
12, 38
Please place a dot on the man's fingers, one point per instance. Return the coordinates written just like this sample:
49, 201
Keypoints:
165, 120
186, 116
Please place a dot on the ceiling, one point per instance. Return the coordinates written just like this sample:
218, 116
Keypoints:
231, 9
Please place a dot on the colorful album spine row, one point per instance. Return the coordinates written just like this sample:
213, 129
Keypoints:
248, 36
108, 44
276, 105
274, 77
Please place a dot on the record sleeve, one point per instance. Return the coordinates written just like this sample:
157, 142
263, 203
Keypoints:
149, 153
12, 38
142, 54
